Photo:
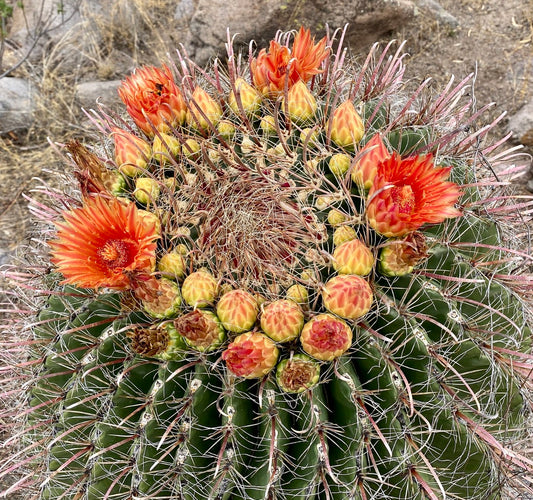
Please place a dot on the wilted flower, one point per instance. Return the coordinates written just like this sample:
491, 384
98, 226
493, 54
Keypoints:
251, 355
104, 244
273, 69
153, 99
201, 329
297, 373
400, 256
408, 193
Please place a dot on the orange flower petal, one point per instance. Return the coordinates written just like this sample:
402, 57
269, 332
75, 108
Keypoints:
102, 243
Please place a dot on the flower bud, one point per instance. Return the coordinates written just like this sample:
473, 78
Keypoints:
297, 374
365, 169
251, 355
346, 127
353, 257
268, 124
146, 190
201, 330
204, 111
165, 147
199, 289
237, 310
246, 96
326, 337
282, 320
300, 104
309, 136
347, 296
132, 153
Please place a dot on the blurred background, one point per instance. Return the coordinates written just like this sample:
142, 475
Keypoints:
57, 57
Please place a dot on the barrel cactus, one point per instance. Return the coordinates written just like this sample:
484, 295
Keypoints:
279, 276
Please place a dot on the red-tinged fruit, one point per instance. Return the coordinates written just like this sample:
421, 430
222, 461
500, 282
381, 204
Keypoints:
200, 289
297, 374
353, 257
237, 310
326, 337
346, 126
153, 99
251, 355
282, 320
347, 296
105, 243
132, 153
370, 157
408, 193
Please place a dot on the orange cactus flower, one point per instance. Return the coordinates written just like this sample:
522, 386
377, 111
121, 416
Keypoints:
153, 99
104, 244
408, 193
270, 70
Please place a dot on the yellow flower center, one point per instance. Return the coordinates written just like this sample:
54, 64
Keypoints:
404, 198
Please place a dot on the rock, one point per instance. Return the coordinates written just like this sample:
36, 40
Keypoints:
89, 93
438, 12
368, 21
521, 124
17, 99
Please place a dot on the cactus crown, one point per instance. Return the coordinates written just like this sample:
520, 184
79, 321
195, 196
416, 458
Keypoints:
279, 278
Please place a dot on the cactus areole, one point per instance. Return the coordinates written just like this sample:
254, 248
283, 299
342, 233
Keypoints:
315, 297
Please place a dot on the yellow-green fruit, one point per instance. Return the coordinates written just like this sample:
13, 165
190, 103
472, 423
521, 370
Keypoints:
343, 234
146, 190
172, 265
199, 289
298, 294
268, 124
336, 217
353, 257
190, 149
339, 164
282, 320
165, 147
226, 129
237, 310
347, 296
309, 137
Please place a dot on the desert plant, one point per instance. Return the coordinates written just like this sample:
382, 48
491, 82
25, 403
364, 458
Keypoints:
280, 277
